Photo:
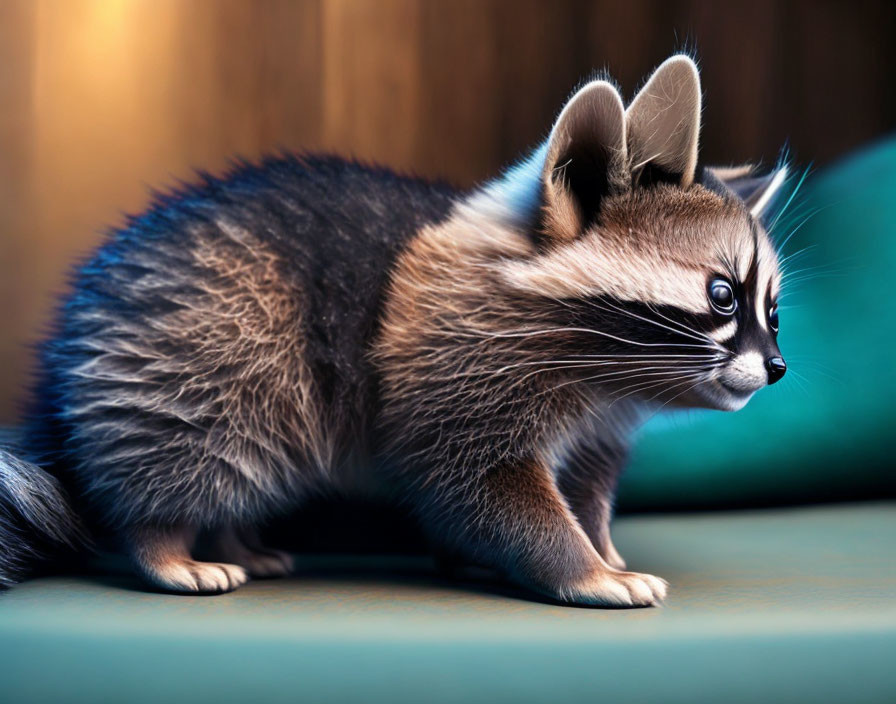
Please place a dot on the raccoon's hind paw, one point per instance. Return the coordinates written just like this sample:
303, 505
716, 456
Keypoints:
264, 563
612, 557
609, 587
198, 577
245, 549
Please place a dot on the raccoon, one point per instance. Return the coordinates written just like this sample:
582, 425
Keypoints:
310, 324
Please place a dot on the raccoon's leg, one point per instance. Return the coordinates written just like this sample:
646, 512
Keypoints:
592, 506
514, 518
162, 555
243, 547
588, 482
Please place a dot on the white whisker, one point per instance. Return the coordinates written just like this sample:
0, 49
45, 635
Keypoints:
546, 331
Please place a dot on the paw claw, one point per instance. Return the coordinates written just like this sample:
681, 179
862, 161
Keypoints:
658, 586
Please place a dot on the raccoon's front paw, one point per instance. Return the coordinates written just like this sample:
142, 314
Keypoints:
198, 577
609, 587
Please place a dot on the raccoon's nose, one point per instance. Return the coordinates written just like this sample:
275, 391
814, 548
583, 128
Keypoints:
776, 368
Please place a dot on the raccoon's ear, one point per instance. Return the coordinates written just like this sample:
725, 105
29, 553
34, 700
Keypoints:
663, 124
585, 161
757, 191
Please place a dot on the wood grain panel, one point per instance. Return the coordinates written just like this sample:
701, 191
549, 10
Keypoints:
101, 98
19, 309
371, 79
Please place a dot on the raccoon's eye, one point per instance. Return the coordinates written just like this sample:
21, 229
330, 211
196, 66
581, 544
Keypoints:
721, 295
773, 317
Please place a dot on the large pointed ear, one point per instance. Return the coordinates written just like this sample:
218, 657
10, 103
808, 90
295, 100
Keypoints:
663, 124
757, 191
586, 160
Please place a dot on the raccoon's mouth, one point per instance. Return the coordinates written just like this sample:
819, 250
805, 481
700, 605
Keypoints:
716, 394
728, 398
733, 390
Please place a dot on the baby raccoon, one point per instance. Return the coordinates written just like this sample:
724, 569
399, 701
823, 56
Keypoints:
312, 325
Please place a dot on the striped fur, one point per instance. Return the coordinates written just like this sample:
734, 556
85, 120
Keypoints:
312, 325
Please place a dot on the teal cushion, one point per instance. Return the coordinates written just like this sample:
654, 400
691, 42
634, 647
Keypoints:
825, 431
778, 606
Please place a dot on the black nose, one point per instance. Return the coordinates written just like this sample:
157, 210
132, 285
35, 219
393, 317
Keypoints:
776, 368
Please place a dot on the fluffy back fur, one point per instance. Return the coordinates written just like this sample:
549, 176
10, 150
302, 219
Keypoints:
313, 325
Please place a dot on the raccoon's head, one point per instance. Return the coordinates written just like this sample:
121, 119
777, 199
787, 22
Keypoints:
661, 272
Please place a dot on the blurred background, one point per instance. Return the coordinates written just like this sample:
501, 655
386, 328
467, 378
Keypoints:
101, 99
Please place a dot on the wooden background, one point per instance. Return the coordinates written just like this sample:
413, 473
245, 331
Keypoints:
101, 98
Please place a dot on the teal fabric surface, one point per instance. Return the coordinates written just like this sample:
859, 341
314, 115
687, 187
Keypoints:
777, 605
825, 431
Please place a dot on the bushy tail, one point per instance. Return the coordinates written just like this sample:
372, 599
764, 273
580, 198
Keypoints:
36, 518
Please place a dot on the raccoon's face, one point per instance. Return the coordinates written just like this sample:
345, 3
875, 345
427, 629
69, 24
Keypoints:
742, 319
661, 275
716, 284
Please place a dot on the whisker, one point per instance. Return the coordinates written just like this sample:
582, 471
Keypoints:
667, 376
685, 327
798, 253
698, 336
637, 388
796, 190
546, 331
803, 222
567, 363
800, 382
714, 355
678, 395
618, 375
